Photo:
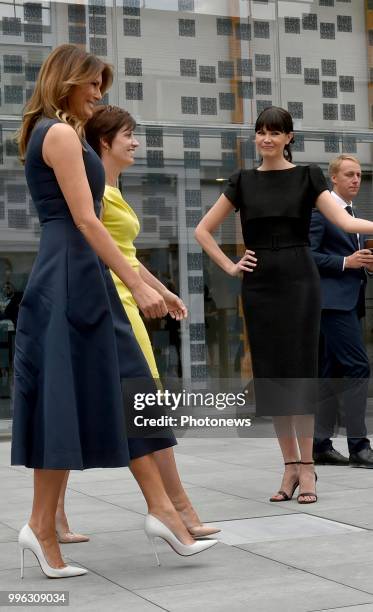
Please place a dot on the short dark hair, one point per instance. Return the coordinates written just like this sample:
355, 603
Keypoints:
105, 123
276, 118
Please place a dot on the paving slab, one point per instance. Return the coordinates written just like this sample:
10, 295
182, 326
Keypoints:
90, 592
274, 528
296, 592
216, 564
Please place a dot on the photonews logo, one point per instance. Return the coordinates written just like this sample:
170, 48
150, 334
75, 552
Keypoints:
188, 399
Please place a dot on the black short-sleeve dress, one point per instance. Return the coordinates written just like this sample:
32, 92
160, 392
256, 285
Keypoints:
281, 298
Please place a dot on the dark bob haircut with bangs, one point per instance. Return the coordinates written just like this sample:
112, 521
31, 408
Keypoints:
277, 119
105, 123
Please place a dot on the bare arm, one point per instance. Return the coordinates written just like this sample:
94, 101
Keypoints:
62, 151
327, 205
203, 233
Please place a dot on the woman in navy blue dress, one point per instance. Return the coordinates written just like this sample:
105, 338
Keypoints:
74, 343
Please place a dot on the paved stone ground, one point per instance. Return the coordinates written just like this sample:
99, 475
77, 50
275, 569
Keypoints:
282, 557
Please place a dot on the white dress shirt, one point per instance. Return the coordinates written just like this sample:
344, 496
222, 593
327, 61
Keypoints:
343, 204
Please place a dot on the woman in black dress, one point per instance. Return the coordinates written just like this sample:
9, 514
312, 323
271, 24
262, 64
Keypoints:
280, 289
75, 348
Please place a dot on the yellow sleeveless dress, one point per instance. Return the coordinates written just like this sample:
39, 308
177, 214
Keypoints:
123, 224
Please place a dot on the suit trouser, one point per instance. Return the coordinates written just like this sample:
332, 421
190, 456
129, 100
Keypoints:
344, 378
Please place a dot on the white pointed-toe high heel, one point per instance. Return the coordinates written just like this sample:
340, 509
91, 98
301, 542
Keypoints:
28, 540
154, 528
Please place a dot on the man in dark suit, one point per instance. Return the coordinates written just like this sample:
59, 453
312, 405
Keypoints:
343, 264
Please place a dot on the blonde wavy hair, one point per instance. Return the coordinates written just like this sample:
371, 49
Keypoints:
67, 66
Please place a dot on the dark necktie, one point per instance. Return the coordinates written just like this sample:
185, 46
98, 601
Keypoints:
354, 237
348, 209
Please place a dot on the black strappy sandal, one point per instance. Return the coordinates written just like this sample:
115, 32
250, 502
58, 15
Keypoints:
308, 493
285, 496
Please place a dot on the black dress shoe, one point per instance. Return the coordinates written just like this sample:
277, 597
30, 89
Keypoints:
363, 458
330, 457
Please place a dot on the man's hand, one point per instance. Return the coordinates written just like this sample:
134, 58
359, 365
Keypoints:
360, 259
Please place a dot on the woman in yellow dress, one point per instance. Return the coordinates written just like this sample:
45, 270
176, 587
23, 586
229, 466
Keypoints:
110, 132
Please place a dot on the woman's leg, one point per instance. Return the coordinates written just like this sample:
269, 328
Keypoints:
47, 486
304, 426
62, 526
166, 463
287, 439
146, 472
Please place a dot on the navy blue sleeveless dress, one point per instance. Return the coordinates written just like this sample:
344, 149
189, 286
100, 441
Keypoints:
74, 342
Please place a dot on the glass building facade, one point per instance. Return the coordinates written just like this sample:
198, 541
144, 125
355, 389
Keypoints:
195, 74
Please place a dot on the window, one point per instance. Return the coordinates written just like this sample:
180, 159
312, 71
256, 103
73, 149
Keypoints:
97, 25
349, 144
227, 101
33, 32
154, 137
328, 67
245, 67
262, 62
224, 26
348, 112
98, 46
294, 65
292, 25
243, 31
330, 112
134, 91
347, 83
327, 30
331, 143
329, 89
262, 104
32, 12
133, 66
76, 13
131, 27
298, 144
191, 139
226, 70
11, 26
192, 159
311, 76
296, 109
309, 21
263, 87
245, 90
344, 23
193, 198
154, 159
209, 106
13, 94
188, 67
187, 27
207, 74
13, 64
261, 29
131, 7
77, 35
186, 5
189, 105
32, 71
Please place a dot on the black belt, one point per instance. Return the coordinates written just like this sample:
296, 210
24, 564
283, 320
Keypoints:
275, 244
